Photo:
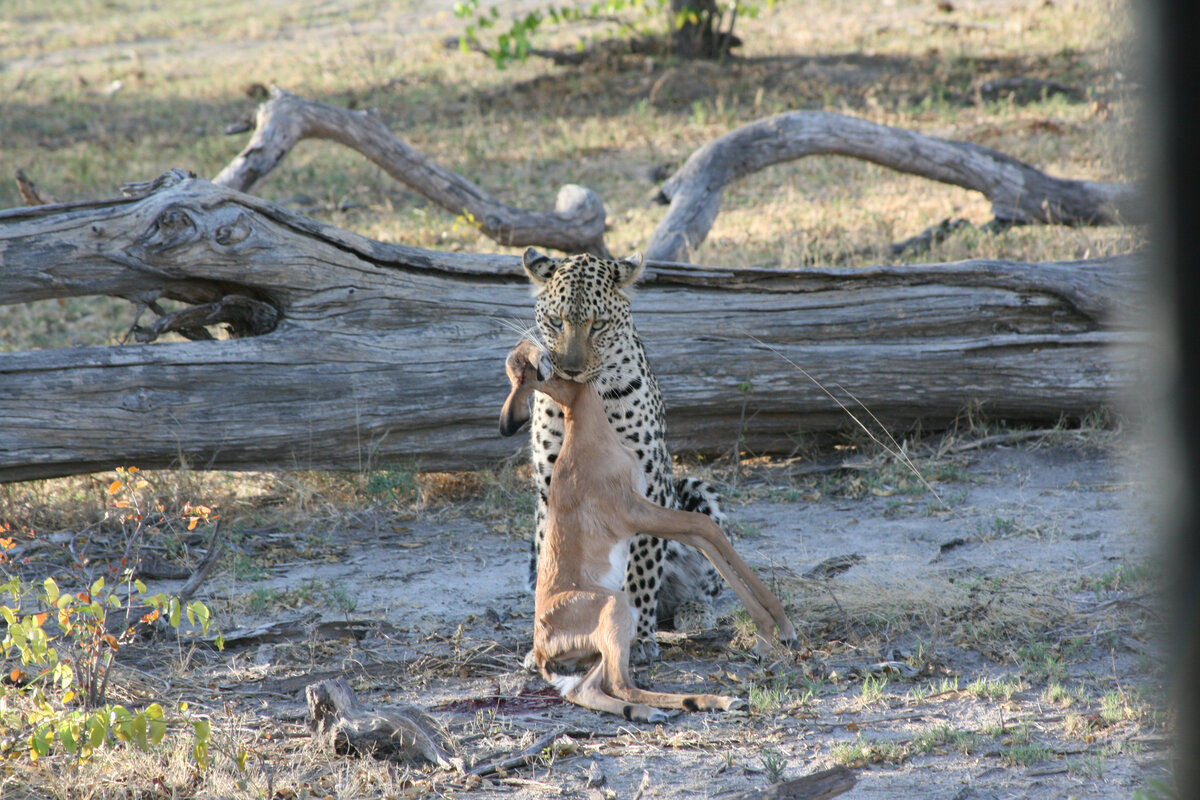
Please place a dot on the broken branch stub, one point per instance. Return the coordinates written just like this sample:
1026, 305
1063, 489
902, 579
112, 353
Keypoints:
1019, 193
576, 225
351, 727
358, 353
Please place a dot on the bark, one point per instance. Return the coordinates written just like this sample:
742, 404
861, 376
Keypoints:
352, 353
1019, 193
576, 225
397, 734
818, 786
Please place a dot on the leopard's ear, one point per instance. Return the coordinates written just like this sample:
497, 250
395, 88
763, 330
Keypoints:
628, 270
538, 266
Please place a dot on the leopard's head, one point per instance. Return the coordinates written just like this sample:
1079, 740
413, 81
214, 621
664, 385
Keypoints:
582, 309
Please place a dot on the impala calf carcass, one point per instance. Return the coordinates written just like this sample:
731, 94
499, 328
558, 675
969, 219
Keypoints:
584, 624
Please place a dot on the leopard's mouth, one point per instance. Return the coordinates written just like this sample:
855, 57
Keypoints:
578, 376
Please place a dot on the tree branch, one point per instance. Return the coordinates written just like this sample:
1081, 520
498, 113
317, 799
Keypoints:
576, 224
1019, 193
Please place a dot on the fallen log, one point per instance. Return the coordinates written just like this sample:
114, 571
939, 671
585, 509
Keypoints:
1020, 193
353, 353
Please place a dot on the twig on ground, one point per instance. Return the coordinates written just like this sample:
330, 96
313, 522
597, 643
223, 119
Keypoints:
520, 758
643, 786
1009, 437
528, 784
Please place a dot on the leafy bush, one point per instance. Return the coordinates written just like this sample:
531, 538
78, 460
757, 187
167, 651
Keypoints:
697, 19
63, 645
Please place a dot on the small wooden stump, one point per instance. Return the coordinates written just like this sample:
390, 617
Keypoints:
399, 734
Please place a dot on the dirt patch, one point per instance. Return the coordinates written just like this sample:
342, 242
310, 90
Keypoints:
998, 642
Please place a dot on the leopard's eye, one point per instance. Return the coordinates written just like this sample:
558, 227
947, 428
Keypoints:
599, 325
555, 322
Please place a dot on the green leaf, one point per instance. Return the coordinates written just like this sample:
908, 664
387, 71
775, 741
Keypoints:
63, 675
67, 737
39, 743
173, 612
51, 590
156, 727
202, 613
37, 645
122, 723
139, 731
200, 746
97, 586
98, 729
141, 587
203, 729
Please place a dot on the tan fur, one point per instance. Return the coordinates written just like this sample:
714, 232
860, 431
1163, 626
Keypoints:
582, 623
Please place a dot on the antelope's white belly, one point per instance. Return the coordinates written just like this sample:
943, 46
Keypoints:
614, 577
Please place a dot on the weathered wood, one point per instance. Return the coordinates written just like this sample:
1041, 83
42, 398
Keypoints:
398, 734
818, 786
355, 352
523, 757
1020, 193
576, 225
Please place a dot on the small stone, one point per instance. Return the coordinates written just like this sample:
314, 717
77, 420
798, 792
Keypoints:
595, 775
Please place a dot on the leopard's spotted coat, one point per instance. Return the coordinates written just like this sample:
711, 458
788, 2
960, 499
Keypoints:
583, 316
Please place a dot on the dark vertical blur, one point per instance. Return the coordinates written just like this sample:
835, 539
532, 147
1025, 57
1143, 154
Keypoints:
1169, 46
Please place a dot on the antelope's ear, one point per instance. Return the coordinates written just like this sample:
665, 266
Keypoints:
628, 271
524, 368
516, 412
538, 266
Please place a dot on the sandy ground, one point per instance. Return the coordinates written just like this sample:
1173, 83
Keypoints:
1030, 579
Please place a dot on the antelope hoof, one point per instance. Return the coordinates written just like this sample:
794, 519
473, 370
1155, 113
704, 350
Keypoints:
734, 704
657, 717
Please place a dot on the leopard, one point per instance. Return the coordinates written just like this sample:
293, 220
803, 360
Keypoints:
582, 315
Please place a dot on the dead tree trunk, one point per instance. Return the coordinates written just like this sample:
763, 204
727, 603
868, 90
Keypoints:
352, 352
1020, 194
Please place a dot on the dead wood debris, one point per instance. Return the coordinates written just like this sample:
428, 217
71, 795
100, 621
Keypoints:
817, 786
402, 734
